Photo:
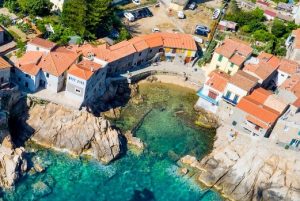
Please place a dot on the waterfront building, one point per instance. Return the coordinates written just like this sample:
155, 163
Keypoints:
230, 56
264, 67
212, 91
257, 113
46, 67
86, 80
239, 85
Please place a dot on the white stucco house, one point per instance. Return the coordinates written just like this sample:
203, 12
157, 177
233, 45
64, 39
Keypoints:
286, 69
44, 65
239, 85
212, 91
5, 69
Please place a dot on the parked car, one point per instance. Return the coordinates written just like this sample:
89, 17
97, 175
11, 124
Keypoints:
136, 2
129, 16
192, 6
141, 13
180, 15
216, 14
155, 29
202, 30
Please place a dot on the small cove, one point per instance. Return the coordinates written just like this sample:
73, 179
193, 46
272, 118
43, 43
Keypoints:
169, 132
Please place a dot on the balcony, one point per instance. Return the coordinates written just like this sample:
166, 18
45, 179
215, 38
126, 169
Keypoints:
207, 98
229, 101
250, 128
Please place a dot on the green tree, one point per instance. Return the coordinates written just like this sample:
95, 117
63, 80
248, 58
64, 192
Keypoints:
35, 7
278, 28
12, 5
123, 35
262, 35
74, 16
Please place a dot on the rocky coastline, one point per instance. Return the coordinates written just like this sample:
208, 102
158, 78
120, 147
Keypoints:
244, 168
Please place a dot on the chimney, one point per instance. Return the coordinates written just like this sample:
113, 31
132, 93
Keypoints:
92, 68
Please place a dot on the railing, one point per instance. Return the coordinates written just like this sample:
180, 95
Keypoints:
229, 100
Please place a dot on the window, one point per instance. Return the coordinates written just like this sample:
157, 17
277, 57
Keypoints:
27, 75
174, 50
150, 50
26, 84
228, 94
72, 78
231, 65
37, 48
217, 66
13, 70
235, 99
220, 58
47, 75
212, 95
19, 79
229, 72
140, 54
1, 79
77, 90
282, 75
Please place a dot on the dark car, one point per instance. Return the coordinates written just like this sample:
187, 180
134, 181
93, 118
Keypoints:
202, 30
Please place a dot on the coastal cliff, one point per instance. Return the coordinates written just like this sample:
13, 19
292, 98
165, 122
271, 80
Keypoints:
246, 168
12, 161
77, 132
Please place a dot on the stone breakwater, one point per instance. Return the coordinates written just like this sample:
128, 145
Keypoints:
77, 132
246, 168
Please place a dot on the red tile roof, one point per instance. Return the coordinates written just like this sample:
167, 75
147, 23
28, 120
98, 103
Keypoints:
270, 13
258, 113
265, 67
288, 66
84, 70
4, 64
243, 80
292, 84
42, 43
217, 80
236, 50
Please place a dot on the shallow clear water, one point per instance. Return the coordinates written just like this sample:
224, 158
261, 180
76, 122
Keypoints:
169, 133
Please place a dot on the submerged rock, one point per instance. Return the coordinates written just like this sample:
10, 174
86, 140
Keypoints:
40, 189
137, 142
77, 132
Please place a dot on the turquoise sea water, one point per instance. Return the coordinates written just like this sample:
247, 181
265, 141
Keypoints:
169, 133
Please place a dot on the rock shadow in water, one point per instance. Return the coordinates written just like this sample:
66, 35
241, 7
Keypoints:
144, 195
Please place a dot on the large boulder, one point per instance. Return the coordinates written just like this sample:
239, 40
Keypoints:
77, 132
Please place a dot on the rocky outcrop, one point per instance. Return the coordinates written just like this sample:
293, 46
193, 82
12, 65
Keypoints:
77, 132
132, 140
246, 168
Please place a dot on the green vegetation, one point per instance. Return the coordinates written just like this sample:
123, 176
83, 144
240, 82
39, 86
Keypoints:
5, 20
270, 36
207, 55
31, 7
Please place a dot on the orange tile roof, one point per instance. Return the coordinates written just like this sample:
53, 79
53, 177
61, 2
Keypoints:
84, 70
58, 61
237, 59
217, 80
267, 65
260, 95
256, 110
297, 103
289, 66
42, 43
4, 64
139, 43
292, 84
230, 47
178, 40
153, 40
243, 80
257, 121
28, 63
296, 34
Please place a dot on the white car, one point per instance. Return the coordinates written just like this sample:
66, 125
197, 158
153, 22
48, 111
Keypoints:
216, 14
129, 16
180, 15
155, 29
136, 2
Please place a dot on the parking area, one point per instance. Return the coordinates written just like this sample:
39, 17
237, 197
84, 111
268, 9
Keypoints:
166, 20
